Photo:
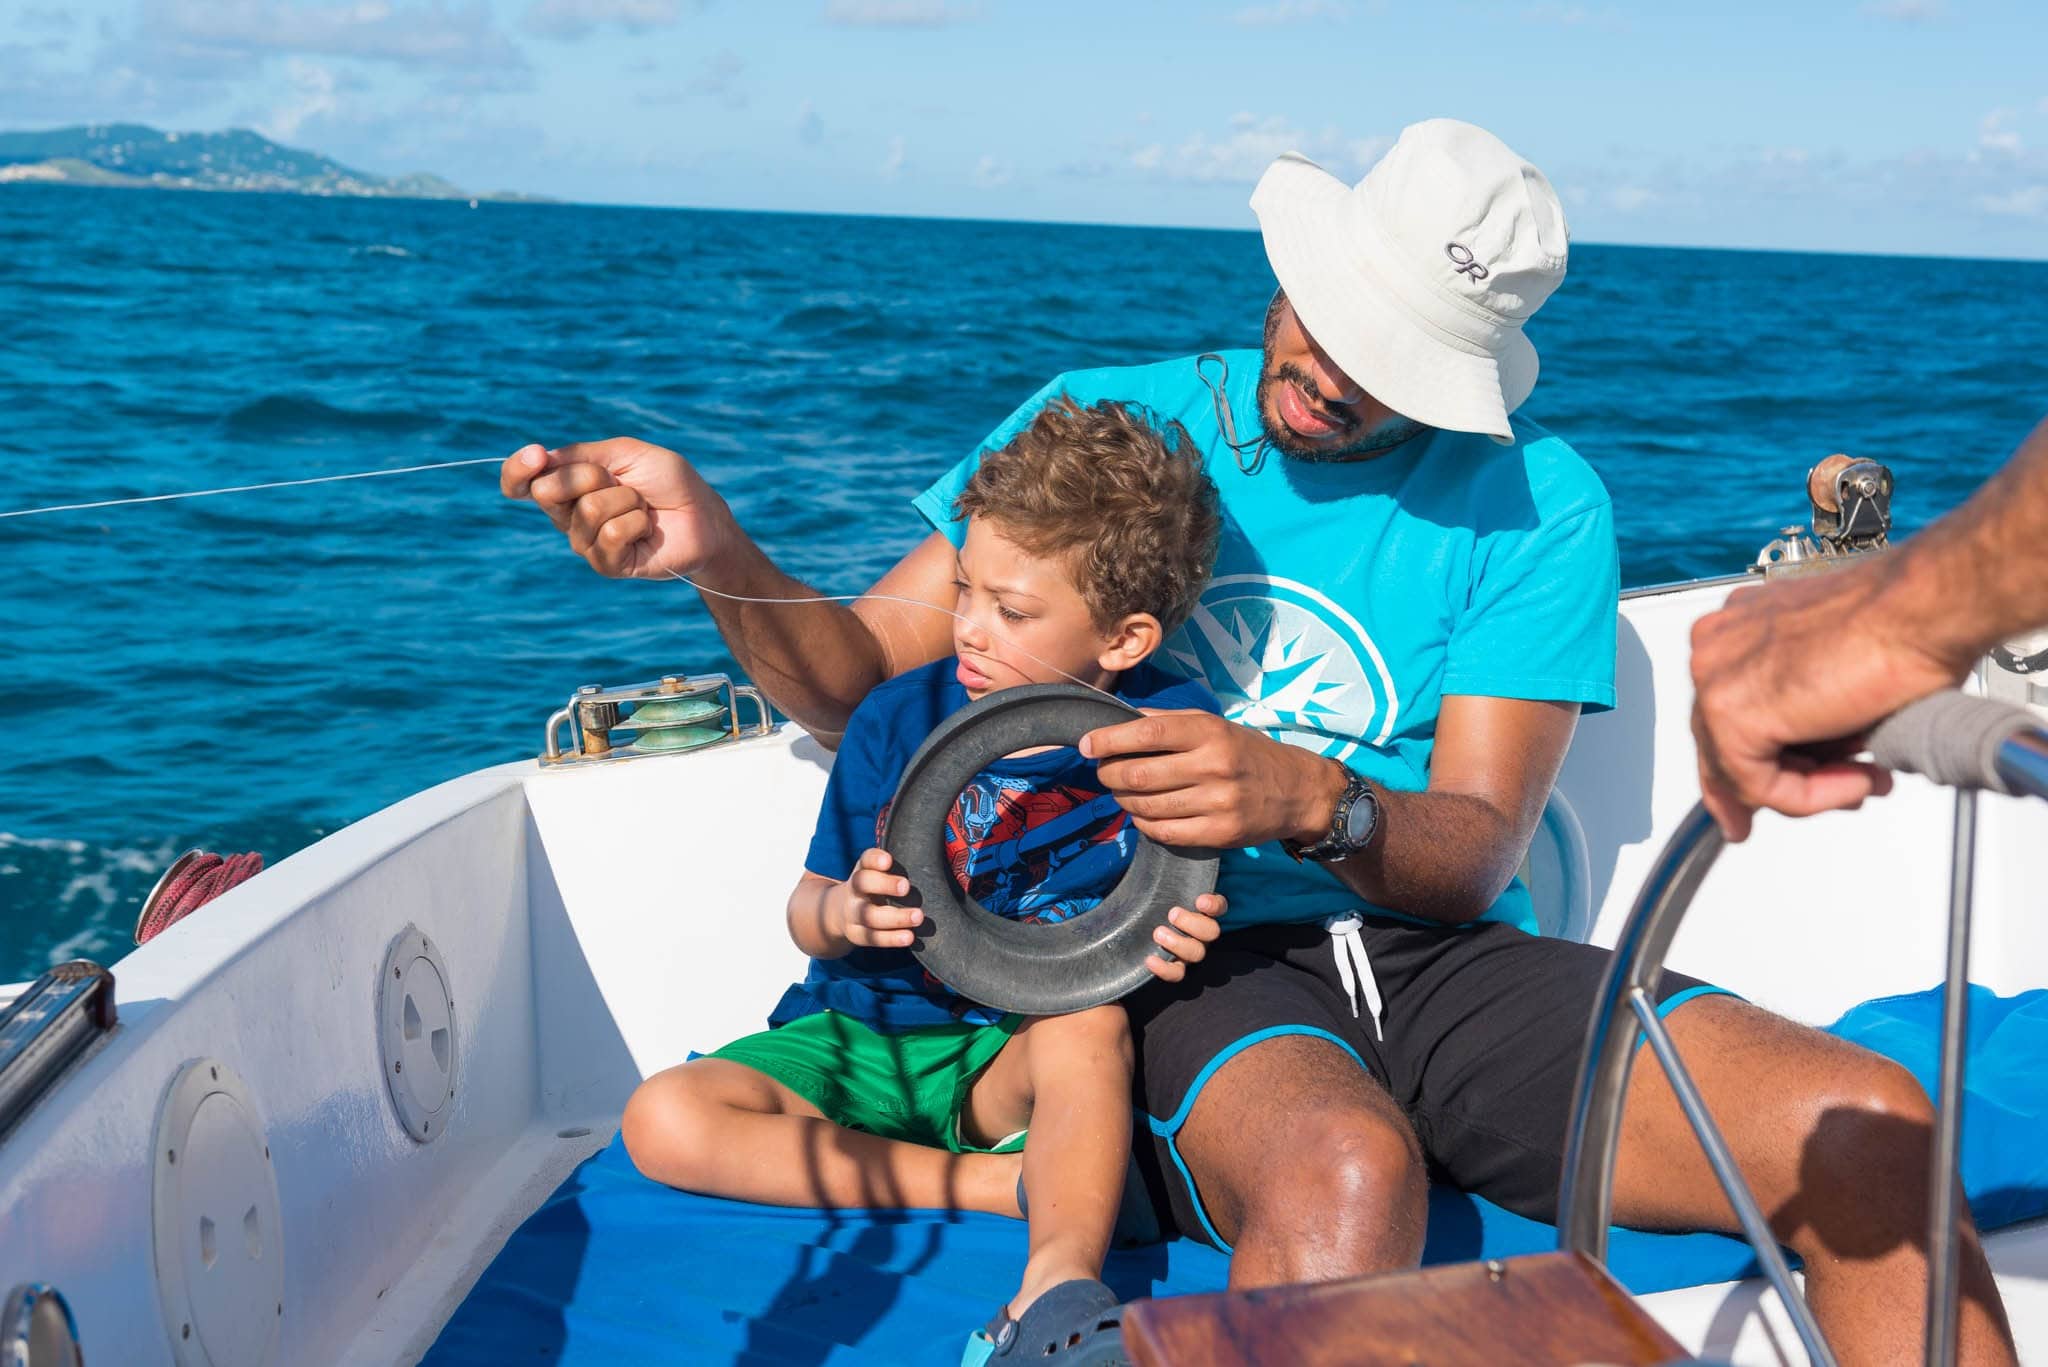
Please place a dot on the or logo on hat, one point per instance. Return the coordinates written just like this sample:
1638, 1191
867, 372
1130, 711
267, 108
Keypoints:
1466, 263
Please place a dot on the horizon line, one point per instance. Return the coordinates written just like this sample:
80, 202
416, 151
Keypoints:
549, 202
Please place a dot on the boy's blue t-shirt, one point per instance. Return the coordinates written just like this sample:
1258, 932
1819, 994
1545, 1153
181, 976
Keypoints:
1032, 838
1350, 596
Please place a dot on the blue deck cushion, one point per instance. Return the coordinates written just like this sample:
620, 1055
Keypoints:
615, 1269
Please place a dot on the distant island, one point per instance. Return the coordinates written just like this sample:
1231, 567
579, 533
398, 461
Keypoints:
135, 155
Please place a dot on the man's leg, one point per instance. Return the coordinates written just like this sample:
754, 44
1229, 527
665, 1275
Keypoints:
1069, 1079
1306, 1166
1270, 1135
723, 1129
1485, 1033
1835, 1142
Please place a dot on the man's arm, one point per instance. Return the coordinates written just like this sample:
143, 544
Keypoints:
1825, 657
634, 510
817, 661
1188, 778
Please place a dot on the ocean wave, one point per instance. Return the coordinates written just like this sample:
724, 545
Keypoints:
301, 416
640, 411
818, 368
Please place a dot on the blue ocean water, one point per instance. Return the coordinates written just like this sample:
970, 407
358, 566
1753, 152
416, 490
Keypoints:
253, 671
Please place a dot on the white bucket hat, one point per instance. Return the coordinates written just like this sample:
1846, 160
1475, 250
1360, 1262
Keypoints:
1417, 280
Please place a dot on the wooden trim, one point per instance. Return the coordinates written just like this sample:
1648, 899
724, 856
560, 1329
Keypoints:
1560, 1308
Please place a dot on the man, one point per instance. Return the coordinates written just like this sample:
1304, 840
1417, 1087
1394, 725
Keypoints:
1414, 598
1826, 657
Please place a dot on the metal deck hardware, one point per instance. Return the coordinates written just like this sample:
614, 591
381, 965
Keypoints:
674, 713
1850, 512
47, 1028
37, 1328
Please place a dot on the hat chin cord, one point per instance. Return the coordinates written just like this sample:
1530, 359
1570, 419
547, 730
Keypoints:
1251, 455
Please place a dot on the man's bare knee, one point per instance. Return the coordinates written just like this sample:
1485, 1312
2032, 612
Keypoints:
1306, 1164
1864, 1162
1357, 1177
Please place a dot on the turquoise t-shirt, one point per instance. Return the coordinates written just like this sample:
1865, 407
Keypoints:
1350, 597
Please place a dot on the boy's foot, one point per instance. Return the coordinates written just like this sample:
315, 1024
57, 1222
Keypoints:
1075, 1324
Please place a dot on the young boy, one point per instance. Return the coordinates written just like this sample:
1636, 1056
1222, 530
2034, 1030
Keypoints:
1089, 538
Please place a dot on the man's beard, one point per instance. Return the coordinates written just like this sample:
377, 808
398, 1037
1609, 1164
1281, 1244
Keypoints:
1357, 441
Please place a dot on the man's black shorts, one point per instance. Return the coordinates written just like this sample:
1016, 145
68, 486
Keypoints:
1483, 1028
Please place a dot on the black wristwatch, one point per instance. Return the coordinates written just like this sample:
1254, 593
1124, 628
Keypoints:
1352, 825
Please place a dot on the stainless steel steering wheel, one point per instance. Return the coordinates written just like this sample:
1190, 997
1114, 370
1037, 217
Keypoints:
1967, 743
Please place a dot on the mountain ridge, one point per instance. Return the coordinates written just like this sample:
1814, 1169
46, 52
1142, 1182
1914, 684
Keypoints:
135, 155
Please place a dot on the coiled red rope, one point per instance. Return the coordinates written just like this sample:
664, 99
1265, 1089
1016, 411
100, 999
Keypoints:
196, 879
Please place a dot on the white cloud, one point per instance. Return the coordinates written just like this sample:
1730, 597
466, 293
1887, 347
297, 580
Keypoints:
572, 19
1629, 199
900, 13
49, 17
1252, 142
1993, 135
2028, 202
1908, 11
1290, 12
313, 89
810, 125
990, 173
218, 37
719, 79
894, 164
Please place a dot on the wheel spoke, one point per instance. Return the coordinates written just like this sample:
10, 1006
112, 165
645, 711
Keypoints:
1755, 1227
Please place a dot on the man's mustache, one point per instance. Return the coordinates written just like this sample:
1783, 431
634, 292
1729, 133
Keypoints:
1312, 396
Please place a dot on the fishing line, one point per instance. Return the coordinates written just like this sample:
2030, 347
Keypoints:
250, 488
495, 460
894, 598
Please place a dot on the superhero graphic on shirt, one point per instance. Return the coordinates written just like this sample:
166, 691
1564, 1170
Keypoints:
1034, 851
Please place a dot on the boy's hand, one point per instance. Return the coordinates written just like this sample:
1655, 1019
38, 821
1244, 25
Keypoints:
1188, 938
870, 912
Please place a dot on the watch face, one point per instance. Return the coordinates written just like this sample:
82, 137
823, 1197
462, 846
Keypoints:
1359, 821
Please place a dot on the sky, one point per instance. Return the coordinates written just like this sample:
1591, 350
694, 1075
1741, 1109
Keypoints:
1909, 126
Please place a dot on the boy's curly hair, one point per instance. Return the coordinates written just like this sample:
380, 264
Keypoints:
1124, 501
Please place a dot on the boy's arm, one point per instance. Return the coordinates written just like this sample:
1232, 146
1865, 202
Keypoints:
829, 920
816, 921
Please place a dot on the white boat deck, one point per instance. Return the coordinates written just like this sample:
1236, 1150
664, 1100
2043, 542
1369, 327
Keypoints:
600, 924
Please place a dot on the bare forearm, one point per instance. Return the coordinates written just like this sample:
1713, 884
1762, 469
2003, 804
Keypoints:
1978, 576
1444, 856
817, 919
815, 661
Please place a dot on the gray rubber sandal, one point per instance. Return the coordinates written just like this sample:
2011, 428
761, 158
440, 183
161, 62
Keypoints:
1075, 1324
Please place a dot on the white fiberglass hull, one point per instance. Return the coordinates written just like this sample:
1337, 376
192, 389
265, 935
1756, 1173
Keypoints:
599, 924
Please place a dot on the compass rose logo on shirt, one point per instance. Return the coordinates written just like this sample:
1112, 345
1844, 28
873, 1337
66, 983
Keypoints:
1283, 658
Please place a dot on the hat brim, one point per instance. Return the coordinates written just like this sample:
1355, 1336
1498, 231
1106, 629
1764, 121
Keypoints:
1311, 231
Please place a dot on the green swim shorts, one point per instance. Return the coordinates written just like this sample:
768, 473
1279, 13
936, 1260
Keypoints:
907, 1086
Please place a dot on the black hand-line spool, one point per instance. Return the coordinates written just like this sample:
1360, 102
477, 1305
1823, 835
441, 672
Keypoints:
1038, 970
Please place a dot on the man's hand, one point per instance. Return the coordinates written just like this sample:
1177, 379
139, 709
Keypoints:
1193, 778
867, 911
632, 509
1188, 938
1814, 661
